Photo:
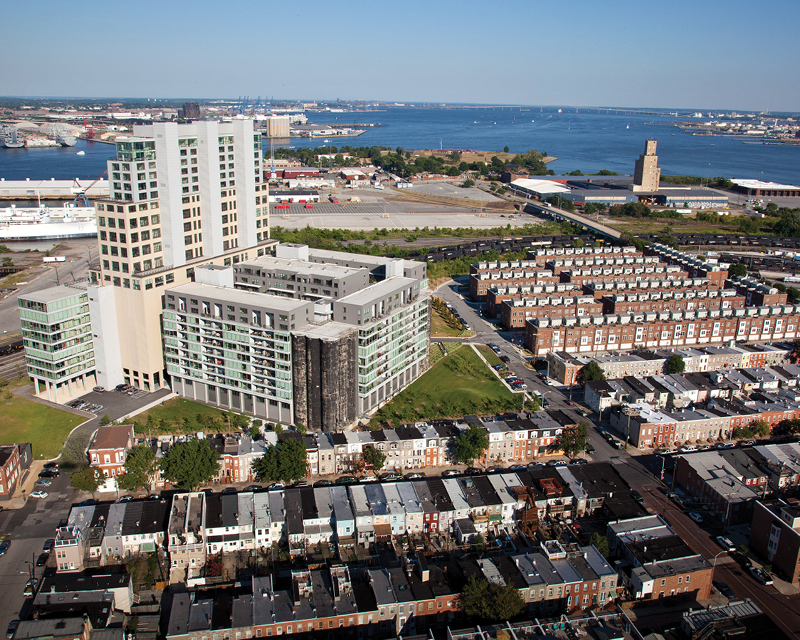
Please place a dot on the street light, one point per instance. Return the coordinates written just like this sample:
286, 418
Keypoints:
713, 567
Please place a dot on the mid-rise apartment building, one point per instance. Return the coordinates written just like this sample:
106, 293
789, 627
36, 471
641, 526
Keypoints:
57, 335
296, 340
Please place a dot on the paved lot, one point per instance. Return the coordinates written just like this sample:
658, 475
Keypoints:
27, 529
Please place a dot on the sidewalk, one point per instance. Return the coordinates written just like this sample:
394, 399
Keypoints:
17, 502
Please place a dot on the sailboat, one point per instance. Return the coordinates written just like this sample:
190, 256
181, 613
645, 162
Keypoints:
627, 126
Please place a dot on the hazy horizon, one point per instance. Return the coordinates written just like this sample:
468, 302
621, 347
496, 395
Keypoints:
718, 55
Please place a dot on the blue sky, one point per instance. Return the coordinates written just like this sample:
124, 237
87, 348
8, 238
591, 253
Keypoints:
702, 54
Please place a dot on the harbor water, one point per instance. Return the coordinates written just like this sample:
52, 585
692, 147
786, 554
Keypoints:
586, 140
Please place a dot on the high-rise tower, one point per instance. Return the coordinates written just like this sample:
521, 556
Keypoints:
647, 174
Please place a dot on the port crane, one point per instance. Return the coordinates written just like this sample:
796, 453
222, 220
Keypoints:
80, 198
89, 130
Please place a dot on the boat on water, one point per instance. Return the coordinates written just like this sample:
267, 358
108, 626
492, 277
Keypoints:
33, 143
47, 223
81, 153
66, 139
10, 138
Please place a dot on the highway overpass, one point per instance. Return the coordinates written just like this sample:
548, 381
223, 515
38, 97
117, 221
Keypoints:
560, 214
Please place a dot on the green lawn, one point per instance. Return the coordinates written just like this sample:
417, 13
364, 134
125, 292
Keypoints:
23, 420
173, 411
459, 384
491, 357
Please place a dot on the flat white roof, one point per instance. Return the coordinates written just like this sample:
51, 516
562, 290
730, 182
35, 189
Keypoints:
251, 298
760, 184
540, 186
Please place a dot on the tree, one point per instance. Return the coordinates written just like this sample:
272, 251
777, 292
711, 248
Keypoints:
675, 364
793, 294
255, 432
592, 371
573, 440
286, 461
579, 243
481, 599
106, 419
600, 543
505, 149
74, 452
87, 479
737, 270
141, 466
479, 543
190, 464
762, 428
470, 444
8, 262
374, 458
748, 225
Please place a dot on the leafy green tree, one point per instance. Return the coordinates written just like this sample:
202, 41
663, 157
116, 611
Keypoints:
749, 225
578, 243
592, 371
574, 440
762, 428
374, 457
793, 294
106, 419
285, 461
505, 149
468, 183
190, 464
255, 432
600, 543
486, 601
675, 364
87, 479
737, 270
471, 444
73, 455
479, 543
141, 466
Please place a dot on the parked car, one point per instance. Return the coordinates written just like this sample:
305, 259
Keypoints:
124, 499
725, 543
449, 473
473, 471
39, 494
725, 590
414, 476
229, 491
41, 484
519, 467
49, 473
12, 627
695, 516
48, 545
579, 461
346, 480
505, 359
390, 476
498, 367
30, 586
748, 443
761, 576
637, 496
98, 389
51, 465
42, 559
590, 449
322, 483
367, 479
4, 547
726, 445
